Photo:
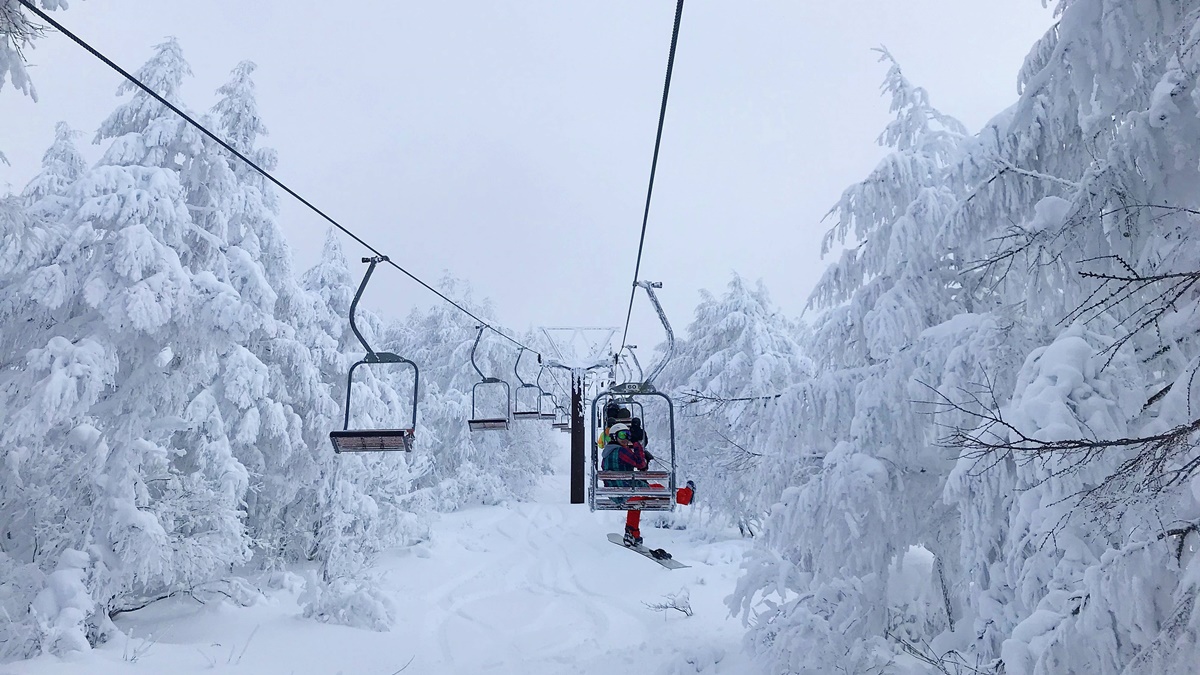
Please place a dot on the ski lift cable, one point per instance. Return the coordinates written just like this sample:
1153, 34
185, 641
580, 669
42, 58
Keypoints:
265, 174
662, 114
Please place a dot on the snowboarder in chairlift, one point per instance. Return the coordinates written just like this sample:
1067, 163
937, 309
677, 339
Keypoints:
622, 454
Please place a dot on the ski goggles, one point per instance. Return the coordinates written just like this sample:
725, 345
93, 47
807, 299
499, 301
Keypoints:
623, 435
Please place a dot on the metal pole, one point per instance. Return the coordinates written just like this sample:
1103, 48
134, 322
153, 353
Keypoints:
578, 495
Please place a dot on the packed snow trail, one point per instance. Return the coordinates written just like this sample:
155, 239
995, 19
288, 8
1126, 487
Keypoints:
528, 588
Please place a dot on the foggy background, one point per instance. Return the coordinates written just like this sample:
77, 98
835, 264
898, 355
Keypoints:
510, 142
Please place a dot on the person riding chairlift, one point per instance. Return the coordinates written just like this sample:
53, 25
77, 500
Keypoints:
624, 454
613, 414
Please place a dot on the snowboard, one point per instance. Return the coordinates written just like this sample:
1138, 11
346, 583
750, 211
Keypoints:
669, 563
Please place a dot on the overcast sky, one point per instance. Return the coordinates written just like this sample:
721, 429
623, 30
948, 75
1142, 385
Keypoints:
510, 142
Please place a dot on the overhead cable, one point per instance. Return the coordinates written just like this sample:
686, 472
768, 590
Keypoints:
662, 115
265, 174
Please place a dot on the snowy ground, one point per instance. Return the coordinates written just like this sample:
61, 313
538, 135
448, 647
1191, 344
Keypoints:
528, 589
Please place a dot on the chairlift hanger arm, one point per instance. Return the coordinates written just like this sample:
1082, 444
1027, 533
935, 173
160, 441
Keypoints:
662, 316
517, 368
362, 286
475, 347
632, 357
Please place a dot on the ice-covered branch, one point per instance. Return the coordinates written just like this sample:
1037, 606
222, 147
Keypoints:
679, 602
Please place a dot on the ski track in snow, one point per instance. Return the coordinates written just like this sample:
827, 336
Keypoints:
529, 588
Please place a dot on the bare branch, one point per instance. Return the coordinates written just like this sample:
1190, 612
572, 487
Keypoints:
1158, 462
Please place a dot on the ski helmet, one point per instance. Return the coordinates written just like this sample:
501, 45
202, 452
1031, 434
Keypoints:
620, 432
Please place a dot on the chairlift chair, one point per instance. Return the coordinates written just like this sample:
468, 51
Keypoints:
548, 403
637, 490
562, 419
533, 399
629, 490
477, 423
374, 440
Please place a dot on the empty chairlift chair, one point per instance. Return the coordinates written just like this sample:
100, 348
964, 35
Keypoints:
374, 440
527, 397
494, 423
562, 420
547, 405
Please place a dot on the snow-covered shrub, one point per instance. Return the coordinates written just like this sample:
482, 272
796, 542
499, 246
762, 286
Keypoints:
348, 601
64, 608
20, 583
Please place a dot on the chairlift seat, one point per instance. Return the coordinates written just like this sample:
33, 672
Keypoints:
372, 440
641, 496
606, 503
488, 424
634, 475
527, 415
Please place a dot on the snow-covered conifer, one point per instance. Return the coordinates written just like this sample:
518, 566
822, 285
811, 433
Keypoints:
738, 353
124, 373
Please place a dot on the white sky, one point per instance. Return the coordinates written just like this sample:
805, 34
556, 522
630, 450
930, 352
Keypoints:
510, 142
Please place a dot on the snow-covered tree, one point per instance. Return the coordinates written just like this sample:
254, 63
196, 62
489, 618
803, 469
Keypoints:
739, 352
468, 467
362, 503
120, 366
1006, 372
17, 35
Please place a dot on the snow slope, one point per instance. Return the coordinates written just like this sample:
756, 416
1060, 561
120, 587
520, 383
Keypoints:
530, 588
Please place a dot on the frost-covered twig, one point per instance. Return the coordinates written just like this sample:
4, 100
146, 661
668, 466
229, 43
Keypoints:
1129, 284
676, 601
1158, 462
132, 656
696, 397
1008, 166
949, 663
